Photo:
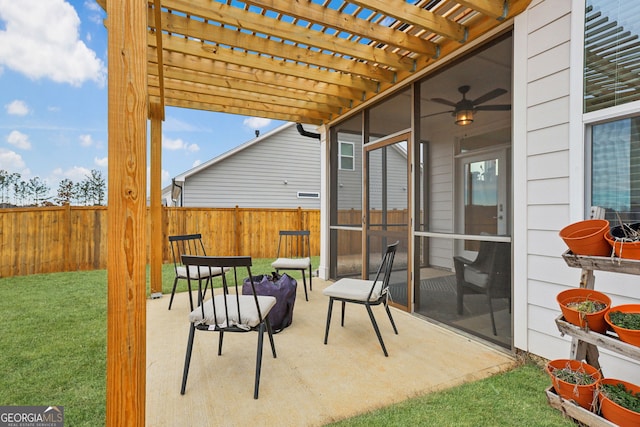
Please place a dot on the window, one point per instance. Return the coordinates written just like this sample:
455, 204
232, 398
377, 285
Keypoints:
308, 195
615, 165
610, 53
346, 156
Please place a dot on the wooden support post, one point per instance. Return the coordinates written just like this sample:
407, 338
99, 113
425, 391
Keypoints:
126, 213
157, 237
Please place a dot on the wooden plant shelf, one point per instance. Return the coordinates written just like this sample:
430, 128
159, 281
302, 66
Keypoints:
602, 263
607, 341
585, 344
576, 412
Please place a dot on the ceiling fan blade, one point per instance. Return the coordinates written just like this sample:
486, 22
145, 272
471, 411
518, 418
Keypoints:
443, 101
489, 95
501, 107
435, 114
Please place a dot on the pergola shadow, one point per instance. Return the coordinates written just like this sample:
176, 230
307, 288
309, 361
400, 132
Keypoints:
309, 384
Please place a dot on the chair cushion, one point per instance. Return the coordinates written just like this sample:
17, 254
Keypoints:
248, 310
353, 289
292, 263
199, 272
476, 277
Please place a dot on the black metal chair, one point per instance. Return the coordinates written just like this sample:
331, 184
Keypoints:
365, 292
489, 274
229, 310
294, 253
189, 244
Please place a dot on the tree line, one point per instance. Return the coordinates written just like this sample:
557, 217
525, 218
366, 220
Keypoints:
15, 191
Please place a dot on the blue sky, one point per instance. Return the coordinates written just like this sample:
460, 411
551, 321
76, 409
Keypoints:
53, 99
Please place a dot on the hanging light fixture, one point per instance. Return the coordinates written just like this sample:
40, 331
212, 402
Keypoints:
464, 117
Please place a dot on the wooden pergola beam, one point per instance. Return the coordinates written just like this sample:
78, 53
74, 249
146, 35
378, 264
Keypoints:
230, 15
177, 76
127, 213
324, 16
410, 14
210, 51
216, 69
195, 91
227, 37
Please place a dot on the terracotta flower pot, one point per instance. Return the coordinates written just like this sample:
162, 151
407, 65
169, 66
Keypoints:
587, 237
631, 336
593, 321
623, 246
583, 394
615, 413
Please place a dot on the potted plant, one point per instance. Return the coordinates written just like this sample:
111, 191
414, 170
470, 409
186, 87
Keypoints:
625, 240
574, 380
625, 321
584, 308
619, 402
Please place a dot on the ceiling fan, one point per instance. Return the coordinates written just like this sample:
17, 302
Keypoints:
464, 109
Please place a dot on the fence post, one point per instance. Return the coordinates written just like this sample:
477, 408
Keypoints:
238, 233
67, 241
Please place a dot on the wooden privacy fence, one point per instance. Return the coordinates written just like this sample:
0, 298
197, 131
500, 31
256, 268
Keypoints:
71, 238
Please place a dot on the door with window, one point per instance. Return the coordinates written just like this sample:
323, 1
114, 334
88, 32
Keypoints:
482, 204
386, 184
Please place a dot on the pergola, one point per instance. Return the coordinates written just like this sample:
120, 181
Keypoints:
306, 61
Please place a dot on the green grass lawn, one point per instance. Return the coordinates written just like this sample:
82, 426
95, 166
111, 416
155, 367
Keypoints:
53, 352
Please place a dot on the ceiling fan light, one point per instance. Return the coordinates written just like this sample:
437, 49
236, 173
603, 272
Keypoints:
464, 117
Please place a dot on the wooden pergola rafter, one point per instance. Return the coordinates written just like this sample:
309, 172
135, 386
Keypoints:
306, 61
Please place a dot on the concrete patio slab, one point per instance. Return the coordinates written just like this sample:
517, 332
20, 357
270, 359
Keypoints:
309, 383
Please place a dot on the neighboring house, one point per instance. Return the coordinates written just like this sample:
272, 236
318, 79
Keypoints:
280, 169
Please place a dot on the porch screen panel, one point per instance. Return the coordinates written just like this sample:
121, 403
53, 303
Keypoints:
611, 55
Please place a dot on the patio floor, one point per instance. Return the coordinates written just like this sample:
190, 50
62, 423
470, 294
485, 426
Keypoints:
309, 383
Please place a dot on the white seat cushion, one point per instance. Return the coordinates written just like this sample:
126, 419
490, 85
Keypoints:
199, 272
353, 289
292, 263
248, 310
476, 277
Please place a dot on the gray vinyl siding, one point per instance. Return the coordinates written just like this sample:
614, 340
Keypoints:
255, 176
441, 202
547, 126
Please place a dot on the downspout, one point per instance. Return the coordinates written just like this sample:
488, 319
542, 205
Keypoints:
306, 133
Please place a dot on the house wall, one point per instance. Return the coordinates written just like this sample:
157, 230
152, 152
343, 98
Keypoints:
350, 181
255, 176
549, 176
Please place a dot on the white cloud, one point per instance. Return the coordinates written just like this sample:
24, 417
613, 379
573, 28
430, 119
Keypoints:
86, 140
102, 162
196, 163
10, 161
19, 139
92, 5
17, 108
256, 122
178, 144
171, 124
75, 174
40, 40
